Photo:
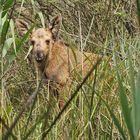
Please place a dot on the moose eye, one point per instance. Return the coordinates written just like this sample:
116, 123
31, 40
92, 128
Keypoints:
32, 42
47, 42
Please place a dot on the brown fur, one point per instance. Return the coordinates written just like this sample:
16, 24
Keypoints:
53, 58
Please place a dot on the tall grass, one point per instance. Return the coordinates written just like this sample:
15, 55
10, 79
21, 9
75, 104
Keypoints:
5, 44
130, 110
103, 107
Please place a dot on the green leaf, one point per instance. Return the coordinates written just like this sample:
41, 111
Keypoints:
4, 32
6, 7
133, 93
25, 37
1, 2
13, 33
137, 104
20, 42
6, 47
115, 120
125, 107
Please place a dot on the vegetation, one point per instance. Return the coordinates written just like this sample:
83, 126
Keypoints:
103, 107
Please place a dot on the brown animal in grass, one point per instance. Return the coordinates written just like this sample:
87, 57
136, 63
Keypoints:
54, 59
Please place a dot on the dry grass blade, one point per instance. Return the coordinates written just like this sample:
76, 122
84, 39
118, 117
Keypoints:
5, 125
138, 10
29, 101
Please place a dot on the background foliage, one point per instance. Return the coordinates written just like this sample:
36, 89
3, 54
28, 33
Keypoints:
108, 105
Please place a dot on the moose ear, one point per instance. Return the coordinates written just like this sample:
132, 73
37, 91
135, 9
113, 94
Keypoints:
54, 26
22, 26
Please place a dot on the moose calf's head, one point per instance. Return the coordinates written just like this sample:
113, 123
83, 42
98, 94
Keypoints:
42, 39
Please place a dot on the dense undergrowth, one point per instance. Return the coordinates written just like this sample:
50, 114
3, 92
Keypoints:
105, 106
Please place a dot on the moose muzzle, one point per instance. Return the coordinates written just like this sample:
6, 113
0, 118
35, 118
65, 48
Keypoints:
39, 56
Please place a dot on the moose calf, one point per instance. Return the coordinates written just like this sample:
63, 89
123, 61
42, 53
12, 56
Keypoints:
54, 59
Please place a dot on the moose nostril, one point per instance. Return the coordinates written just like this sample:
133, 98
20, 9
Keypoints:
40, 54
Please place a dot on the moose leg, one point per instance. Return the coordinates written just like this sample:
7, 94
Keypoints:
57, 93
